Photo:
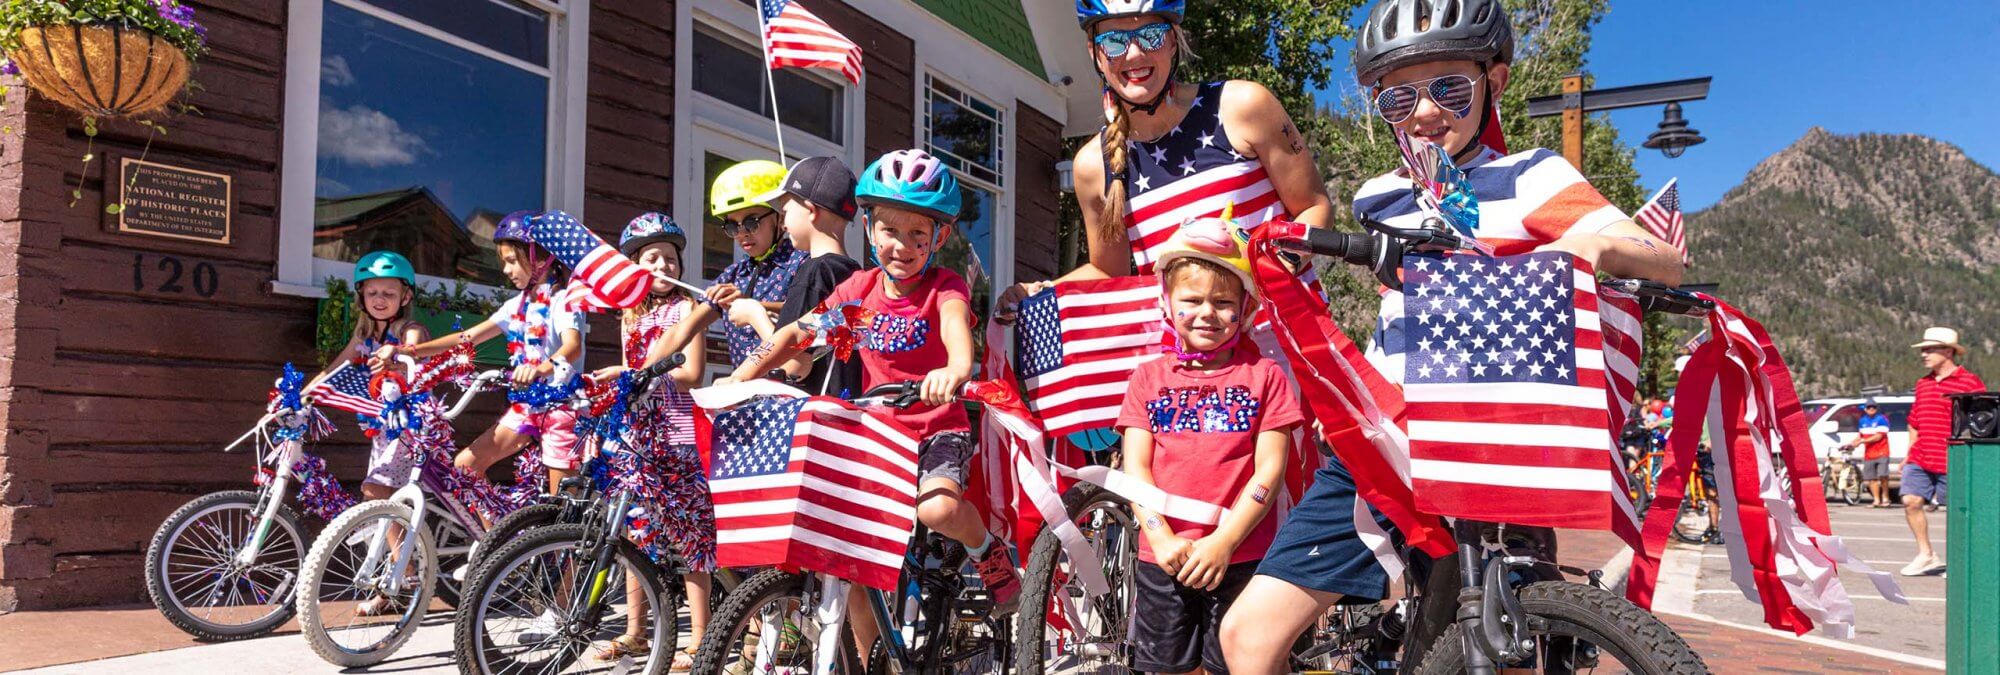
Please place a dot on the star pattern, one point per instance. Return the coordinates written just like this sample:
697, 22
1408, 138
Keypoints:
755, 439
1458, 338
1198, 144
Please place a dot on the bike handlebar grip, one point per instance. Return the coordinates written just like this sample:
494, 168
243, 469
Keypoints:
1351, 248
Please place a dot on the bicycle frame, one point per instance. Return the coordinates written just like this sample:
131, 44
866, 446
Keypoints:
461, 522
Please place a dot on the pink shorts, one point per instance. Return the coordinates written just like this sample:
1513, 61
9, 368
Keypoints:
556, 429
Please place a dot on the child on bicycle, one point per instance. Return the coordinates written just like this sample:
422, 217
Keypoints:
384, 286
1212, 422
682, 517
921, 331
1435, 78
544, 343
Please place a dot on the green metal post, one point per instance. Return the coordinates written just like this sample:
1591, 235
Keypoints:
1972, 589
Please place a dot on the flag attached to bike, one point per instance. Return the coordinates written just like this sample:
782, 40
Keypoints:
1507, 380
600, 278
1662, 216
796, 38
815, 484
1077, 344
346, 389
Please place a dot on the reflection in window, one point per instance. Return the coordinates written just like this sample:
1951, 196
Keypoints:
717, 249
965, 132
425, 143
734, 72
970, 249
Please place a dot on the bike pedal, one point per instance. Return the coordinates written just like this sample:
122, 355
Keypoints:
974, 605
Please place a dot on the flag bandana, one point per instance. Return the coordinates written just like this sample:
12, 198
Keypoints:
600, 277
1781, 549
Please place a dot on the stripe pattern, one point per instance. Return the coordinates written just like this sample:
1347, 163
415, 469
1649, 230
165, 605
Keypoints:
346, 389
796, 38
813, 484
1076, 345
1662, 216
1192, 172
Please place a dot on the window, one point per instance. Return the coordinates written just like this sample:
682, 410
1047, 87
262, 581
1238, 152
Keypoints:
734, 72
1898, 414
415, 125
1848, 419
969, 135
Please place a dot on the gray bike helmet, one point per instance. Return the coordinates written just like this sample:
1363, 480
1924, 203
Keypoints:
1408, 32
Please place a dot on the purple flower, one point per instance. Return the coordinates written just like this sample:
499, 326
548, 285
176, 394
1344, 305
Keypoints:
179, 15
7, 67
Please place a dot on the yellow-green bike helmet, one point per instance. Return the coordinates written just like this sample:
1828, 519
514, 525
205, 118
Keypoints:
753, 183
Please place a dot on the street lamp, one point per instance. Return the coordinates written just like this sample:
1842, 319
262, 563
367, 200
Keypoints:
1674, 137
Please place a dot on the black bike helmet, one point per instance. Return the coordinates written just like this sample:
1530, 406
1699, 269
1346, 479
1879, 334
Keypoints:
1408, 32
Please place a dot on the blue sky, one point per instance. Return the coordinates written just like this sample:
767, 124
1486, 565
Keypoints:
1780, 68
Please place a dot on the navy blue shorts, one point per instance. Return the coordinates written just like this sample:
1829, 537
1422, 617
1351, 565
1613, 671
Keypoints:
1317, 547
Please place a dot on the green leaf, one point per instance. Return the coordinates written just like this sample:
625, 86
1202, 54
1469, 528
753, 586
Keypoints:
114, 209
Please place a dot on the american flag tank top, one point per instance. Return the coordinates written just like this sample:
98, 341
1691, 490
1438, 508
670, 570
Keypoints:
1192, 172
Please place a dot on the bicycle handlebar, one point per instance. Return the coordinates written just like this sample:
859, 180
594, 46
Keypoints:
479, 383
895, 394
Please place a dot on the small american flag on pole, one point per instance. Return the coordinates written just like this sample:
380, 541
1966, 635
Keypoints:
1662, 216
346, 389
600, 277
795, 38
814, 484
1507, 379
1077, 344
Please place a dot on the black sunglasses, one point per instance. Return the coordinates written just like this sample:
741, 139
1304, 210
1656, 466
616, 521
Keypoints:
736, 228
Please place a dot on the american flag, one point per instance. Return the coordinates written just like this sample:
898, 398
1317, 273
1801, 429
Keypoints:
346, 389
815, 484
1077, 344
795, 38
1507, 380
600, 277
1662, 216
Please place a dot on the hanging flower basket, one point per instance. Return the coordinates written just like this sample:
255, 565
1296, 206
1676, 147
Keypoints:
102, 58
105, 71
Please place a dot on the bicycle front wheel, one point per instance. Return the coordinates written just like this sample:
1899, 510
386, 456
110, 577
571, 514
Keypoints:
1848, 482
1586, 627
767, 626
1091, 633
540, 604
196, 577
355, 607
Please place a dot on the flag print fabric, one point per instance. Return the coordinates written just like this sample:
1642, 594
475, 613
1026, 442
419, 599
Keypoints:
600, 277
1077, 343
346, 389
796, 38
1507, 392
814, 484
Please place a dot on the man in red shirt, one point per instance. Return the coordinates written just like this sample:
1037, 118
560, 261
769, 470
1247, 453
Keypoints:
1930, 425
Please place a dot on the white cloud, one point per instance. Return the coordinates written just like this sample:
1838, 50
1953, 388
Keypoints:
333, 72
365, 136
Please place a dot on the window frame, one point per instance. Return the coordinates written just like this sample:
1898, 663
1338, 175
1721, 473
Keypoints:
1000, 270
299, 272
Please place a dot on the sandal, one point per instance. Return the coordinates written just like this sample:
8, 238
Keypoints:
622, 647
376, 606
683, 660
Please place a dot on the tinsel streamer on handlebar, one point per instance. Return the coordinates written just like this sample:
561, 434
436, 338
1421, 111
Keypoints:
454, 365
399, 415
540, 395
319, 493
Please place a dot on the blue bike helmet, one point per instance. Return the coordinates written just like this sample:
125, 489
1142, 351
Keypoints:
1089, 12
515, 227
384, 265
914, 180
648, 229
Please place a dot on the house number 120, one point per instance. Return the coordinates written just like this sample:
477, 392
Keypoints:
202, 277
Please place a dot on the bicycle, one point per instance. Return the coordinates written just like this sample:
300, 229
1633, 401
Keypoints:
393, 550
1841, 473
1092, 633
1512, 605
222, 567
790, 622
1698, 502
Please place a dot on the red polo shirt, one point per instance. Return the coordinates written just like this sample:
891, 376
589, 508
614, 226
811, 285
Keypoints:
1930, 415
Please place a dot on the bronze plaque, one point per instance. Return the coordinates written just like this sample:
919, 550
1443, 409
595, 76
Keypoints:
175, 202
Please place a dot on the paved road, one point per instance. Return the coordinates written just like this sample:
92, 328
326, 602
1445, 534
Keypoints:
1881, 538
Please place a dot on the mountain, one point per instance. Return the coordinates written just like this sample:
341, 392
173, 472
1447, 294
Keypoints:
1847, 247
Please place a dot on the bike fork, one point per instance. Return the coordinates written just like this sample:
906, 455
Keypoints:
274, 497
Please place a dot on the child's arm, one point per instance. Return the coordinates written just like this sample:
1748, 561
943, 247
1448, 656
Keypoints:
485, 330
789, 342
677, 338
572, 344
941, 385
1209, 558
688, 375
755, 315
1169, 550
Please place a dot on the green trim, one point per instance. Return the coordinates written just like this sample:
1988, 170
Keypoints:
1000, 24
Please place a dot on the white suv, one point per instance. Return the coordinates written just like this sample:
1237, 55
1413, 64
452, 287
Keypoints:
1837, 420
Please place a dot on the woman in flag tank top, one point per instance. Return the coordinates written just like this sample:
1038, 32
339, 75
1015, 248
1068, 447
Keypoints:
1173, 151
1435, 69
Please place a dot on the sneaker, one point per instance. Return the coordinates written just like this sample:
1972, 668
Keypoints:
996, 571
461, 573
1922, 566
544, 627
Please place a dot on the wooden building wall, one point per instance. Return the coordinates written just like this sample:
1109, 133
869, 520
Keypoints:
1037, 148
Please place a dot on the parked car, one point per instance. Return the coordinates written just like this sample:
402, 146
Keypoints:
1835, 421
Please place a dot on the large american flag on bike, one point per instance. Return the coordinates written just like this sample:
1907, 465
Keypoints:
814, 484
346, 389
1513, 373
600, 277
1077, 344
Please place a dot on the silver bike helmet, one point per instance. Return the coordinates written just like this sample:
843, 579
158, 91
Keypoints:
1408, 32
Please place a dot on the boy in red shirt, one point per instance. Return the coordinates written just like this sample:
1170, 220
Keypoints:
1211, 422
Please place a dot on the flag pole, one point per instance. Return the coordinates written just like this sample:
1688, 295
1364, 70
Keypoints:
771, 84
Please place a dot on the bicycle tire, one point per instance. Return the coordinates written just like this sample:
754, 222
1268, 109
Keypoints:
314, 570
469, 638
510, 526
175, 529
1037, 585
1692, 534
1593, 615
717, 652
1849, 482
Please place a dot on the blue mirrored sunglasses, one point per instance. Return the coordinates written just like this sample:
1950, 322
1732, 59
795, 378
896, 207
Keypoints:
1149, 37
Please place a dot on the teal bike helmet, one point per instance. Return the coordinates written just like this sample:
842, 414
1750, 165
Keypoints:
914, 180
384, 265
